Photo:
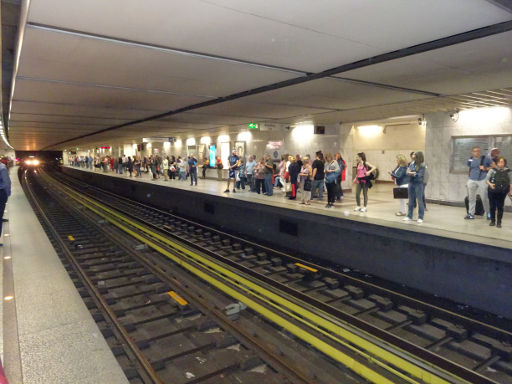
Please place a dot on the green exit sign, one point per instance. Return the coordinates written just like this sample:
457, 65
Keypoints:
253, 125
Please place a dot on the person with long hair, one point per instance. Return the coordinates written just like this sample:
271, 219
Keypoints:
332, 172
499, 180
305, 181
401, 180
362, 180
165, 167
339, 187
416, 173
130, 166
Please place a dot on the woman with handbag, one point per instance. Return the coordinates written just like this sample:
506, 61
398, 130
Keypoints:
305, 181
499, 180
402, 181
332, 172
363, 172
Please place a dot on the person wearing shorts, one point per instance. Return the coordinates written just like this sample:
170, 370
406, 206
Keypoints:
234, 162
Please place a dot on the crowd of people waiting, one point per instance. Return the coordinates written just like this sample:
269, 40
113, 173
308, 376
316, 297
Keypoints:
490, 180
166, 167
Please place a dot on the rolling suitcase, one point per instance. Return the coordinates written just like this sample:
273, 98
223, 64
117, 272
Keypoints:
479, 208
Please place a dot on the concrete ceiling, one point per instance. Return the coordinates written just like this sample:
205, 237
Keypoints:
88, 66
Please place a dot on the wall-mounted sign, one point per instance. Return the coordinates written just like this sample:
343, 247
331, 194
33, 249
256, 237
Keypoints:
274, 144
253, 125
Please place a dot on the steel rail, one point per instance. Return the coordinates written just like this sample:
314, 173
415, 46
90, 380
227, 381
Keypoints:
100, 301
397, 296
455, 371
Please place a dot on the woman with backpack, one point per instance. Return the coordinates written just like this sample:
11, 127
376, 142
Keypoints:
499, 180
362, 179
332, 173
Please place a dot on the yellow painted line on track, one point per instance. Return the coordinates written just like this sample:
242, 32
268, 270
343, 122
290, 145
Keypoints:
306, 267
321, 322
180, 300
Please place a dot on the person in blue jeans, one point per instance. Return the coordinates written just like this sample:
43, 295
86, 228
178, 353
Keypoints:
416, 173
192, 169
318, 176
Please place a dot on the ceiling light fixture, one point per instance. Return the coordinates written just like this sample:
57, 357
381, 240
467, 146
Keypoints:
370, 130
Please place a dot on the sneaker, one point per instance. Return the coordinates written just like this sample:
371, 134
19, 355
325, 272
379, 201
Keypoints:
498, 225
469, 217
420, 221
226, 191
357, 209
400, 214
328, 205
492, 223
406, 219
363, 209
234, 190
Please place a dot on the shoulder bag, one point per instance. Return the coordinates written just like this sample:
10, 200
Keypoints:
307, 184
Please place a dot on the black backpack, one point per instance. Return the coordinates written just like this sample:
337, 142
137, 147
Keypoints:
501, 180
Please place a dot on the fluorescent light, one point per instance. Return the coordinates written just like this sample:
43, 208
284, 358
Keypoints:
223, 139
244, 136
370, 130
303, 132
191, 141
205, 140
484, 116
178, 143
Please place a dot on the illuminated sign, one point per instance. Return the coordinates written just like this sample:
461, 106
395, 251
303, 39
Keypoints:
212, 156
253, 125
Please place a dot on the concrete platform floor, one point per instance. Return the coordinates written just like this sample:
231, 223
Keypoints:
440, 220
48, 334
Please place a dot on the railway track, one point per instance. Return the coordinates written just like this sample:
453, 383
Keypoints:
163, 325
449, 347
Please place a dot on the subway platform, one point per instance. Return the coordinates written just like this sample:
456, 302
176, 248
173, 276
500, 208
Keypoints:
48, 335
440, 220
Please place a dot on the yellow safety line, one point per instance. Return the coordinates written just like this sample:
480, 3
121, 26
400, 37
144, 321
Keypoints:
320, 321
329, 350
306, 267
180, 300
